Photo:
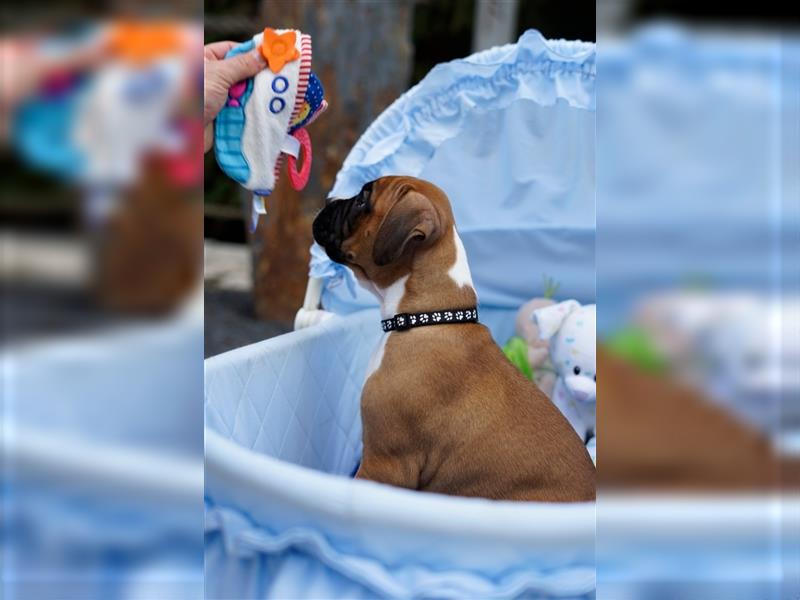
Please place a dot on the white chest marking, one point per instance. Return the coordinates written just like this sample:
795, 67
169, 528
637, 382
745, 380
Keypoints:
390, 298
459, 272
377, 356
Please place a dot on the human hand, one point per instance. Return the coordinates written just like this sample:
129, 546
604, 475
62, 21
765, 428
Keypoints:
220, 74
26, 67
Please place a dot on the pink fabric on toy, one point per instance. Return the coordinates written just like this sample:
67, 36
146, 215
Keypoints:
300, 179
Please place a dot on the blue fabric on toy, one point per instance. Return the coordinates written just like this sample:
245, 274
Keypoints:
229, 129
314, 96
42, 132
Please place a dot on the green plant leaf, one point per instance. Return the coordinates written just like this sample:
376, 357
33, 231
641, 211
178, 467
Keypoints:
516, 350
634, 345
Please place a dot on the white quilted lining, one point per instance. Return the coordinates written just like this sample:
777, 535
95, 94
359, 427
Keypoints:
296, 397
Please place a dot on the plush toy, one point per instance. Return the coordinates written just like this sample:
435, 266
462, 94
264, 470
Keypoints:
99, 125
570, 330
265, 116
527, 351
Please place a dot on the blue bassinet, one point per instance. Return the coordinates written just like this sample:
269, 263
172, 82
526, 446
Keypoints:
509, 135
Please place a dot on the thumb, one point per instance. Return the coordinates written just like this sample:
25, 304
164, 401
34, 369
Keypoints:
241, 66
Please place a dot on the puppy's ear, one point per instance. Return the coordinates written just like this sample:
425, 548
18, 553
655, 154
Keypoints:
412, 222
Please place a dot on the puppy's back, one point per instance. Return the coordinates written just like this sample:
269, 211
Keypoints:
482, 427
538, 450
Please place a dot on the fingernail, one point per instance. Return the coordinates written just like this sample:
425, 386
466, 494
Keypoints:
261, 59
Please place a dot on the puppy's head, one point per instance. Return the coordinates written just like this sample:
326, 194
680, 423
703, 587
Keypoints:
380, 230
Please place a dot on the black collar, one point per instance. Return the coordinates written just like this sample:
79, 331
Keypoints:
403, 321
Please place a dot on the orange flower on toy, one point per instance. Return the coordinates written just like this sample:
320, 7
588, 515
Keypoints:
279, 48
142, 42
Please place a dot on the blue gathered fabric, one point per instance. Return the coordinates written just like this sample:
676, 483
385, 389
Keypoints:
361, 575
508, 134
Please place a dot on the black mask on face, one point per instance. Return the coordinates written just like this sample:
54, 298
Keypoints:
337, 221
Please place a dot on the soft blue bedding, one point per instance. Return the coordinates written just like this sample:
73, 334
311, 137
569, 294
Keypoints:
284, 517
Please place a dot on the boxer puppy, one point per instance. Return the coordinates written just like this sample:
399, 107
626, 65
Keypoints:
442, 409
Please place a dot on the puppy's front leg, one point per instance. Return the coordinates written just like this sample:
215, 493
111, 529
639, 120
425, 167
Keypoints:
389, 469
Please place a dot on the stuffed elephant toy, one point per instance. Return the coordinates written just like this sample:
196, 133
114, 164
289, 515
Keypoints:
570, 330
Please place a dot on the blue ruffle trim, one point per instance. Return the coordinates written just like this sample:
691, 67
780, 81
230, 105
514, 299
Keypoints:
244, 539
435, 109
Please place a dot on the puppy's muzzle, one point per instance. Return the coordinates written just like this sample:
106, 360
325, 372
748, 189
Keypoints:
338, 220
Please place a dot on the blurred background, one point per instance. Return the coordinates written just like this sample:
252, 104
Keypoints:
698, 205
255, 284
102, 331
